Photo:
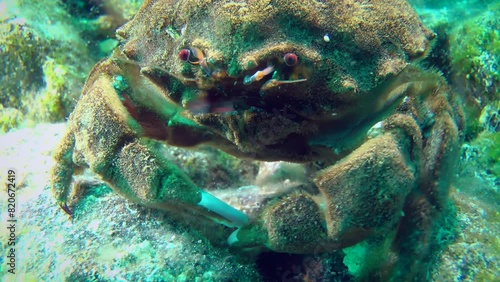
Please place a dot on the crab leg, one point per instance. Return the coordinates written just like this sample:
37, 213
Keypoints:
116, 139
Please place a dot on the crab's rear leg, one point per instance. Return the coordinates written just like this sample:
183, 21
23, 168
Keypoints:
117, 141
442, 121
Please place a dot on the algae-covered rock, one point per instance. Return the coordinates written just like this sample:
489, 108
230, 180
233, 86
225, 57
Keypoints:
475, 57
483, 152
476, 52
9, 118
212, 168
21, 54
34, 40
473, 251
98, 20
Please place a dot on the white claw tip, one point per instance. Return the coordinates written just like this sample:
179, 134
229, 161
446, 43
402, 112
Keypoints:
233, 238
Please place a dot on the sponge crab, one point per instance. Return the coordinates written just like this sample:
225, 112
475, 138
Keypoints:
256, 79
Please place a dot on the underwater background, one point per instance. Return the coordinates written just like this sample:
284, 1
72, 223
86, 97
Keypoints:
48, 47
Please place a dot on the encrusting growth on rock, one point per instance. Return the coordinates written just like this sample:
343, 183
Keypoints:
266, 86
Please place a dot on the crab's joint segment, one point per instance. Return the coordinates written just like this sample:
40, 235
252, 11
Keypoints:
258, 75
235, 217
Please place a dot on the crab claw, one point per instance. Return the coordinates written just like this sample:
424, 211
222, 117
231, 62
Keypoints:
234, 217
118, 140
66, 209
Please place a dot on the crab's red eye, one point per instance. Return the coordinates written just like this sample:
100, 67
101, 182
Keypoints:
290, 59
184, 54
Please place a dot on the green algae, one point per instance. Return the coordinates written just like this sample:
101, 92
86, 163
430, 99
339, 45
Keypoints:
477, 39
50, 101
107, 46
88, 197
9, 118
48, 89
365, 257
120, 85
20, 68
47, 52
487, 140
493, 153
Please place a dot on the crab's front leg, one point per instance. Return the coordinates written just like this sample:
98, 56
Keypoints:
117, 139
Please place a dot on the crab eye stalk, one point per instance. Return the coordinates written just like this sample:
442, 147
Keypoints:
195, 56
290, 59
184, 55
191, 55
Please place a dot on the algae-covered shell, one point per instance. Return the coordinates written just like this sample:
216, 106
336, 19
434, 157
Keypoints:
338, 84
368, 42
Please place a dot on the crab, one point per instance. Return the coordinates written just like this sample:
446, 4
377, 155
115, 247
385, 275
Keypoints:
336, 82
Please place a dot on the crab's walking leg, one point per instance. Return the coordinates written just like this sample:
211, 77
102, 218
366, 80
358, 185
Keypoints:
361, 195
104, 136
425, 207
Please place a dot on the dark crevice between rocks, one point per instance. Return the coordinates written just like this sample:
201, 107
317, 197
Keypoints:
286, 267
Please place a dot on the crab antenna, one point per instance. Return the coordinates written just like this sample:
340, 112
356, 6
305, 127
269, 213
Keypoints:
258, 75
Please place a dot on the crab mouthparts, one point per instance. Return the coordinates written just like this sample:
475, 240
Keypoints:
232, 94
